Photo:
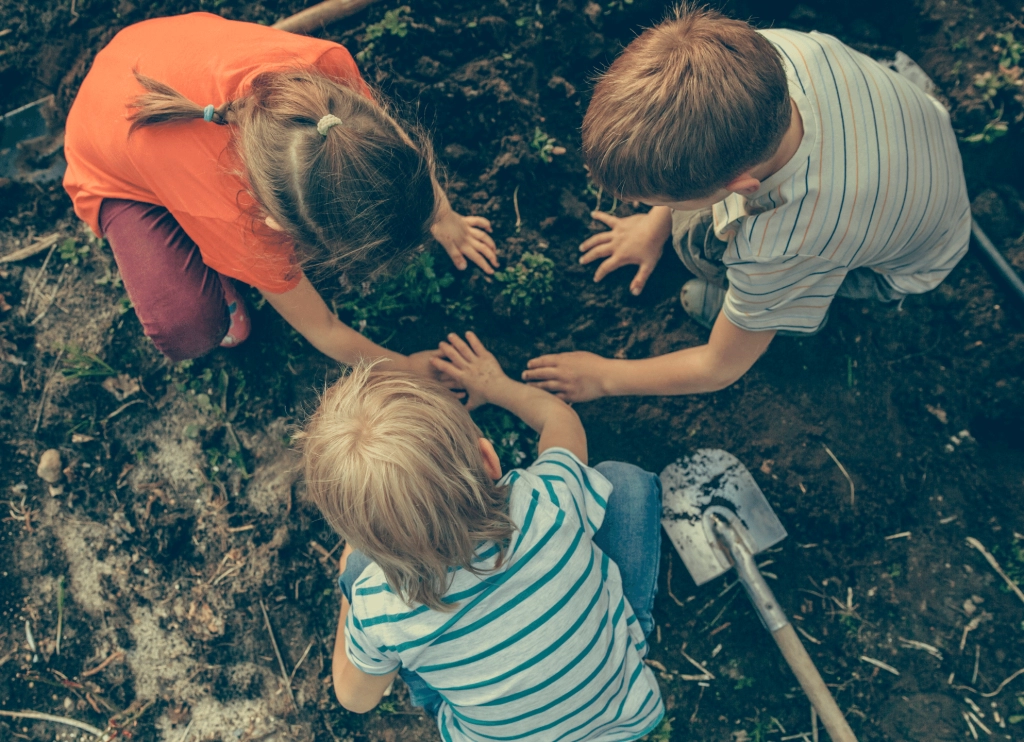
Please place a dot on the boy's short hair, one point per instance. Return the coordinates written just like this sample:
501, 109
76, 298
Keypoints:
392, 461
688, 106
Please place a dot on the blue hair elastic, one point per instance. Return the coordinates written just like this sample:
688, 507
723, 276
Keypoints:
208, 113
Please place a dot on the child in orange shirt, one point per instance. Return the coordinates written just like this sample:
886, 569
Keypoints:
207, 150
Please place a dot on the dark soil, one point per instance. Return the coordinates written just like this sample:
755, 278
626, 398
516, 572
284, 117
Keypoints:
179, 513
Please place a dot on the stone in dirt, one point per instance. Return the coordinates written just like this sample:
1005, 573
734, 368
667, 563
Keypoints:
49, 469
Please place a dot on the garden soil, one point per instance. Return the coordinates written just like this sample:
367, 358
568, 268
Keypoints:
883, 442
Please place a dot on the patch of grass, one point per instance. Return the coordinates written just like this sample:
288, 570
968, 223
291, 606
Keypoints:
394, 23
81, 365
71, 252
663, 733
1002, 89
375, 307
528, 282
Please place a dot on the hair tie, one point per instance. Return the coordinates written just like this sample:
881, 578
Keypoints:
208, 113
324, 125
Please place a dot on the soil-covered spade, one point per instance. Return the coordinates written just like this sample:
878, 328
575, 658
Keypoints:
718, 518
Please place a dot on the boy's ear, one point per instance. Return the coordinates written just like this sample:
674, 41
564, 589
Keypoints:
744, 184
492, 464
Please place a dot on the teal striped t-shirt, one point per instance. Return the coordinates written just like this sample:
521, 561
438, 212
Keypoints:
546, 647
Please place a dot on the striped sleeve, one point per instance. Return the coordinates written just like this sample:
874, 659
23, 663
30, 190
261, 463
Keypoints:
361, 649
789, 293
574, 487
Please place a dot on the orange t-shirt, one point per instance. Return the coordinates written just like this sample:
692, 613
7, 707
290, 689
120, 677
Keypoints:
186, 166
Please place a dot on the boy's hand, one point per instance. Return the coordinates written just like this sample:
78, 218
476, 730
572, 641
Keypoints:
632, 240
466, 237
472, 366
575, 377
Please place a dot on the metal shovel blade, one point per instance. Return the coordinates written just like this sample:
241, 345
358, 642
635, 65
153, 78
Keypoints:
706, 482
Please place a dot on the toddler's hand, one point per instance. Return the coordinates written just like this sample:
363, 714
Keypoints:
574, 377
472, 366
632, 240
465, 237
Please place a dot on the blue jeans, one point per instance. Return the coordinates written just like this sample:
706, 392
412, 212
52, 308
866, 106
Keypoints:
630, 535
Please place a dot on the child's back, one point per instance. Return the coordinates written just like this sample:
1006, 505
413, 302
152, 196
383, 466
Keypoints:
877, 182
545, 647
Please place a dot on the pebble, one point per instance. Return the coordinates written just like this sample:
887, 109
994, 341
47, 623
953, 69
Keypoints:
49, 469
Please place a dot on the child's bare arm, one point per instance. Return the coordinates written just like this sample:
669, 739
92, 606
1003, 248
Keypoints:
305, 310
479, 373
580, 376
357, 691
633, 240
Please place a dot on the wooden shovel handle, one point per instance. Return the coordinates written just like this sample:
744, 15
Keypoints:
321, 14
810, 680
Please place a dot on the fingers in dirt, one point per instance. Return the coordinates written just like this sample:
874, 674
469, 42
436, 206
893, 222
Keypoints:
604, 217
453, 355
479, 221
474, 342
461, 346
598, 239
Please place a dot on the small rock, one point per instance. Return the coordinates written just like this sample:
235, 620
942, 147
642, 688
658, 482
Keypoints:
969, 607
49, 469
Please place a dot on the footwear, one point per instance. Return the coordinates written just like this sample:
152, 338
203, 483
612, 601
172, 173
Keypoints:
238, 318
702, 301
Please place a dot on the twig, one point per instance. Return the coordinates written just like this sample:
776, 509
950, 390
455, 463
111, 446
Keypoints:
122, 408
974, 732
42, 395
911, 644
280, 660
301, 660
60, 611
853, 490
904, 534
706, 673
1003, 684
515, 205
53, 296
103, 665
188, 729
808, 637
668, 584
814, 724
975, 544
879, 664
55, 719
974, 623
977, 659
34, 249
35, 283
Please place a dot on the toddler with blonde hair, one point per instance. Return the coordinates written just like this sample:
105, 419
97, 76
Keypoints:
512, 606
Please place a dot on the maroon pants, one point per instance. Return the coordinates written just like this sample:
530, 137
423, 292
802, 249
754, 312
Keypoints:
178, 299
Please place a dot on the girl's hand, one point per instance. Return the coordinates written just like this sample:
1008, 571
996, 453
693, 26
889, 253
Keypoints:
466, 237
472, 366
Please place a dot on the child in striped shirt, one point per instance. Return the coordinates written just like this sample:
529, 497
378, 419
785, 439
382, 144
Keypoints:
788, 169
513, 607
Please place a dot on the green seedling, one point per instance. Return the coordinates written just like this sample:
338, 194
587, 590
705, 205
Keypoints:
513, 440
395, 23
993, 130
71, 252
374, 310
110, 278
80, 365
1010, 50
543, 145
663, 733
124, 305
528, 282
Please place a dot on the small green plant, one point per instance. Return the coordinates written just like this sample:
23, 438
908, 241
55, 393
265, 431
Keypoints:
663, 733
543, 145
110, 278
71, 252
513, 440
1001, 88
374, 308
619, 5
528, 282
395, 22
81, 365
124, 305
895, 571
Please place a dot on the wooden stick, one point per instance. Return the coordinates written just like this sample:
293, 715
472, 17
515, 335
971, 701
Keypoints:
975, 544
56, 719
103, 665
321, 14
280, 660
34, 249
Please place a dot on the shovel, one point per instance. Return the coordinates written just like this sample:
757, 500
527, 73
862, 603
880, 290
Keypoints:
718, 518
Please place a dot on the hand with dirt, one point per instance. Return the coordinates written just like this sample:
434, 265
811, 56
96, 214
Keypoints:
633, 240
466, 237
575, 377
472, 367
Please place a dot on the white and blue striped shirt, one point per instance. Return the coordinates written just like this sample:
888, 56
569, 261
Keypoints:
545, 648
877, 182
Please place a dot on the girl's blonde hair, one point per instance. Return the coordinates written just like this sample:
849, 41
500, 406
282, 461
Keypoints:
393, 462
359, 196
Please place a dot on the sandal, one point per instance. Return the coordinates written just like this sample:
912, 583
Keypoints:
239, 324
